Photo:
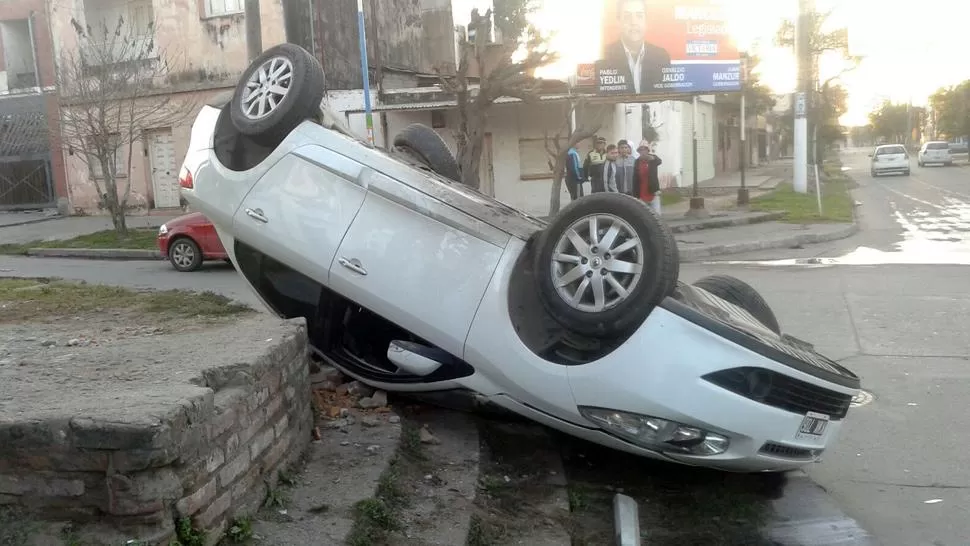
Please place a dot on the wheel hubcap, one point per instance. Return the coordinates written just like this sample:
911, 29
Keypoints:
597, 263
183, 255
267, 87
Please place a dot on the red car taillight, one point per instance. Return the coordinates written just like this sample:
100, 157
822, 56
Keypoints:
185, 179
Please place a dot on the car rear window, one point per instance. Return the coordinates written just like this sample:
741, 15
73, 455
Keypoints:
889, 150
937, 146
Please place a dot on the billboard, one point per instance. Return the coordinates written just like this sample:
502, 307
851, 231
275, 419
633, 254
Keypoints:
665, 47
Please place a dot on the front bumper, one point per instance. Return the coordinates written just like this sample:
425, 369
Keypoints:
659, 373
890, 168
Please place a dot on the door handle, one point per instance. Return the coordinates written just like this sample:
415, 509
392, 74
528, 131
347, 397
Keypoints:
353, 265
257, 214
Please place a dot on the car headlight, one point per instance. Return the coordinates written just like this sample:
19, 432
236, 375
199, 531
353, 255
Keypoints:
655, 433
163, 230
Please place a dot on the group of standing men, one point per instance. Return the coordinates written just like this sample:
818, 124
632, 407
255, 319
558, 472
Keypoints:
613, 168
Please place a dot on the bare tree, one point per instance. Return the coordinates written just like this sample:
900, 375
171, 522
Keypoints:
558, 148
112, 89
498, 74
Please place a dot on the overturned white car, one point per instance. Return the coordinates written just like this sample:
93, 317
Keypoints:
410, 281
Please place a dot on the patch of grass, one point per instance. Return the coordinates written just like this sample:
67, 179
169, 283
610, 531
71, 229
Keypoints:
802, 208
670, 198
186, 535
15, 528
240, 531
376, 518
26, 299
137, 239
482, 533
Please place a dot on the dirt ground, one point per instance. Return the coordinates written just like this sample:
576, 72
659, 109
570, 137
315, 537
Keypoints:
68, 348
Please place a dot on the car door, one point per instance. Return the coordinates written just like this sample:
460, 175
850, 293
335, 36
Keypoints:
417, 262
298, 212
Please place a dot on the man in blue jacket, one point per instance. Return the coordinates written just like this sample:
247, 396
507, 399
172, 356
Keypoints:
574, 174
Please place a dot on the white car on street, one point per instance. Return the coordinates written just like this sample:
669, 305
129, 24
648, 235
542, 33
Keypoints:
937, 152
889, 158
410, 281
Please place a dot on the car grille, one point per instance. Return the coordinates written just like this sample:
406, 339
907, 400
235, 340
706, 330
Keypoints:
780, 391
788, 452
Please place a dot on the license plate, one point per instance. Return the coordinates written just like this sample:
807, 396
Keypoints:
813, 426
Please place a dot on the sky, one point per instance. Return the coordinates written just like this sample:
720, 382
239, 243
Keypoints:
909, 52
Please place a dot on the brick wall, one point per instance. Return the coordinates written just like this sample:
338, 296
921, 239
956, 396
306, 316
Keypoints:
210, 459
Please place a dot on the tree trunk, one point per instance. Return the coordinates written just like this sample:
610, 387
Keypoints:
470, 149
559, 174
111, 202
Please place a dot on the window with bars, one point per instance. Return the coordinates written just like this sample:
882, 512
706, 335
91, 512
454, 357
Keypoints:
216, 8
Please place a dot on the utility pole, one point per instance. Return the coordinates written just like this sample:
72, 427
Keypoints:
803, 56
254, 30
365, 70
743, 196
696, 209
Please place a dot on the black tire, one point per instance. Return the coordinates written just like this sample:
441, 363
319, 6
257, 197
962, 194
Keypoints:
301, 101
740, 293
906, 173
872, 173
184, 254
427, 146
658, 276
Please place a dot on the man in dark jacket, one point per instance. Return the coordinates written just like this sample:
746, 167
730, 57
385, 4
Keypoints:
647, 176
640, 61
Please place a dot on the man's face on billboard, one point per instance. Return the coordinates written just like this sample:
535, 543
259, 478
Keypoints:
633, 21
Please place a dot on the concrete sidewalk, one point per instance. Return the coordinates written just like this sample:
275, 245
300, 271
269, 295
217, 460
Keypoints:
61, 228
753, 237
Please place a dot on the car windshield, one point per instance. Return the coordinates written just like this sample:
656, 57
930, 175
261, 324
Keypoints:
891, 150
937, 146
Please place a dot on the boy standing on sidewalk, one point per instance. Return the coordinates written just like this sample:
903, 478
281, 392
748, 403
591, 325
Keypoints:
609, 169
594, 165
574, 174
624, 168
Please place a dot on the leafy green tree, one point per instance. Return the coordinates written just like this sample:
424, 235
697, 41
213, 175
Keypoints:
890, 121
951, 110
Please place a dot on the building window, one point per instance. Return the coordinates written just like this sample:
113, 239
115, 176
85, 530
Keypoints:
533, 159
121, 156
218, 8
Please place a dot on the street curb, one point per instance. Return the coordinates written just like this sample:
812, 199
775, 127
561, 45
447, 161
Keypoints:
626, 521
95, 253
33, 221
806, 515
688, 254
715, 223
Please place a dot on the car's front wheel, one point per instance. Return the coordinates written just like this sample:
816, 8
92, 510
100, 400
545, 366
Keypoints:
742, 294
279, 90
185, 255
604, 263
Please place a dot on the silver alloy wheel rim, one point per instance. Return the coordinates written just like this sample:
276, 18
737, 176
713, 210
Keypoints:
183, 255
597, 263
267, 87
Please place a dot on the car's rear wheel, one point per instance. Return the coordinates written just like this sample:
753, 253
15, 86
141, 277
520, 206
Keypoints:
279, 90
604, 263
423, 144
184, 254
740, 293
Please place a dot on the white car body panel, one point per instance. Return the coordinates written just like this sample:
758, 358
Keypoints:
420, 272
438, 259
308, 209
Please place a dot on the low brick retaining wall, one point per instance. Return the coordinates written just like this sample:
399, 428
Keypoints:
208, 457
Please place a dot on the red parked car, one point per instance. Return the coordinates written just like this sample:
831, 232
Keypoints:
189, 240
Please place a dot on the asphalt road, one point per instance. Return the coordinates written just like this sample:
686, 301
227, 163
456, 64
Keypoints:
891, 303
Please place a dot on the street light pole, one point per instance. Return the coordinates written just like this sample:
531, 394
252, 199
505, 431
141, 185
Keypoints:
743, 190
803, 56
254, 30
364, 69
696, 209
